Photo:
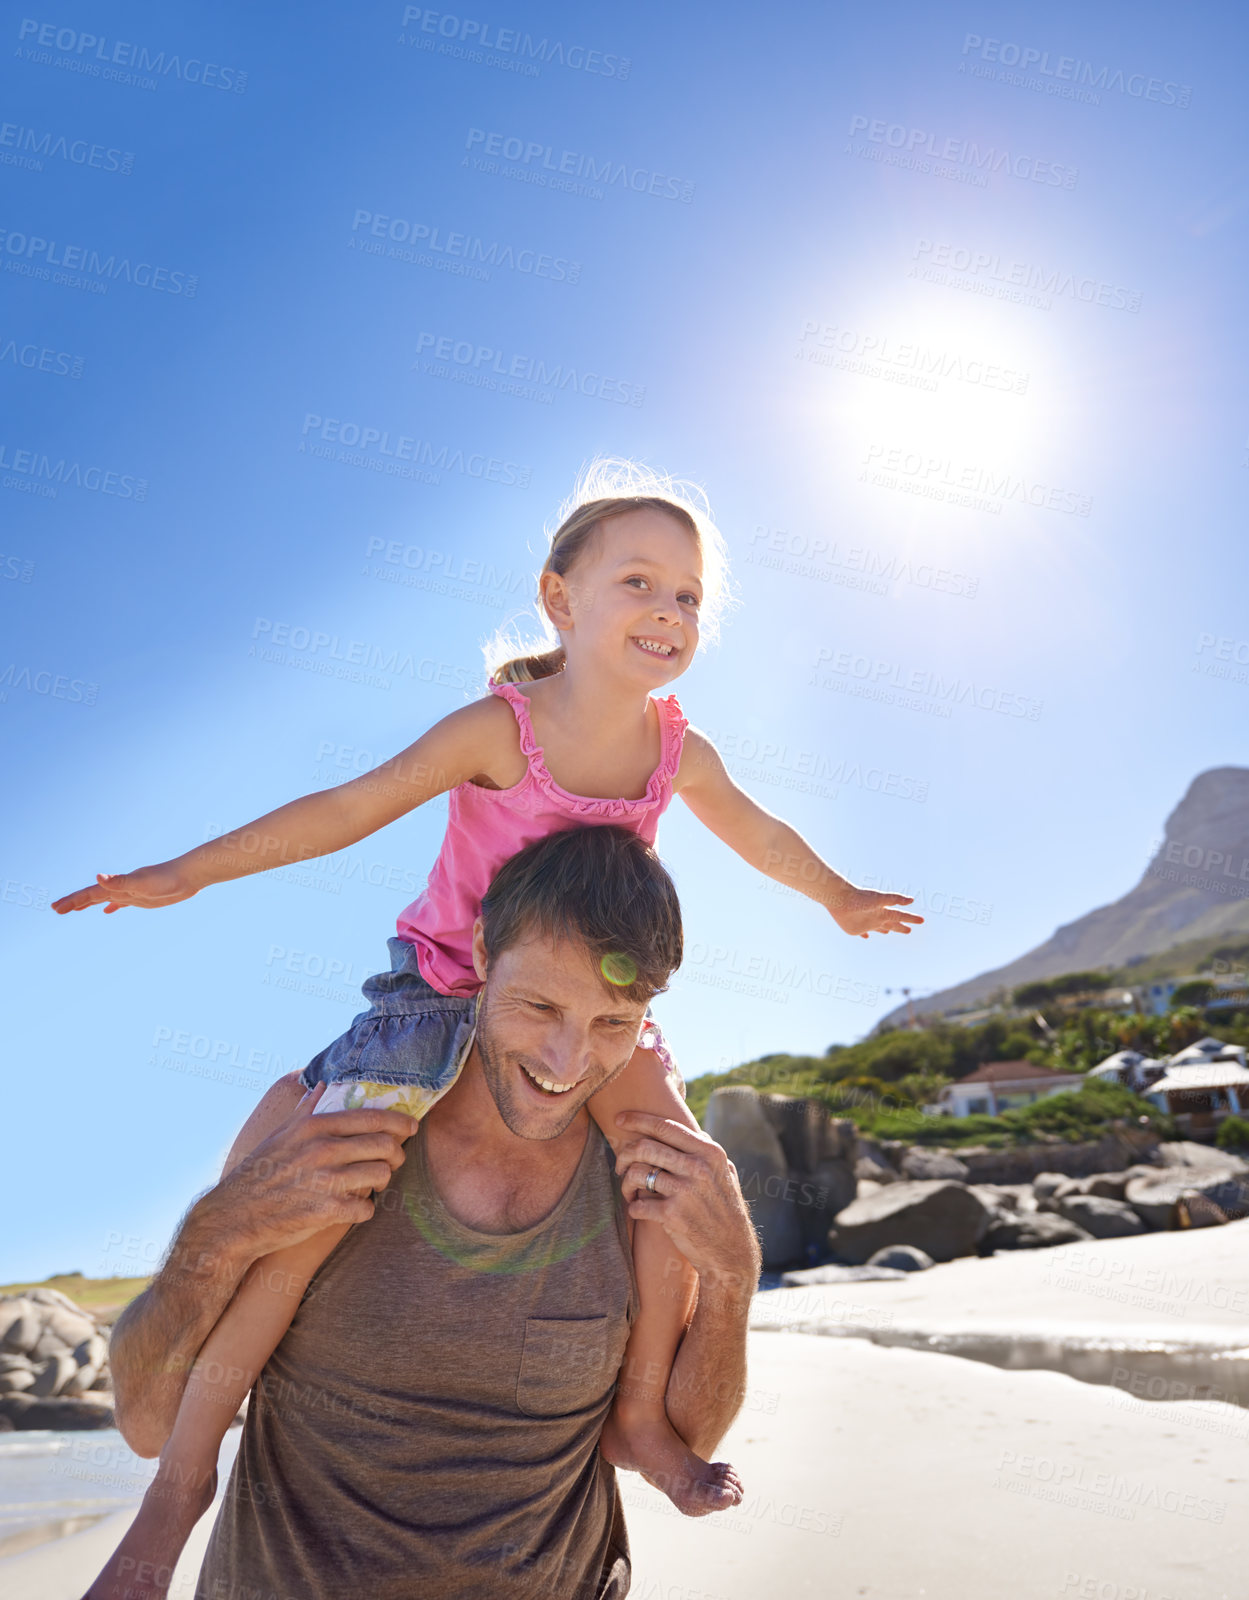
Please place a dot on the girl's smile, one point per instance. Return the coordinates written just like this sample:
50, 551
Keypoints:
641, 586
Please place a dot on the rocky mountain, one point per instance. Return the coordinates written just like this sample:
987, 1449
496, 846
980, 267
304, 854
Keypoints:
1195, 887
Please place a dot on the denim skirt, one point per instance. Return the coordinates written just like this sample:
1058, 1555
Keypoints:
408, 1048
411, 1037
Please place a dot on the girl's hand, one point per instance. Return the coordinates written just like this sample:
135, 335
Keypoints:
148, 887
862, 911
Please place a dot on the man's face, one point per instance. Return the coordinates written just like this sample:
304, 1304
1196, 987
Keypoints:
548, 1018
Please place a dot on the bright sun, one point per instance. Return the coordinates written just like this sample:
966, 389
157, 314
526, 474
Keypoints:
967, 384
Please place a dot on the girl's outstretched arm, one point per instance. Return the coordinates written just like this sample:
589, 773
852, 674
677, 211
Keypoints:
772, 847
463, 745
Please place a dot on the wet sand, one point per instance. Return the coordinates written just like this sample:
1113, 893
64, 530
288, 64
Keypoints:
903, 1474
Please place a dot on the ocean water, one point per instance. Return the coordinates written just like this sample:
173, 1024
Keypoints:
54, 1483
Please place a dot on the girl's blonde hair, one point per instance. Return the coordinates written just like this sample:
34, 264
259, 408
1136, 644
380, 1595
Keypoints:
605, 488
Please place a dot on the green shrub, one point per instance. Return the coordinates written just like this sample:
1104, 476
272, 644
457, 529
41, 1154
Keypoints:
1233, 1134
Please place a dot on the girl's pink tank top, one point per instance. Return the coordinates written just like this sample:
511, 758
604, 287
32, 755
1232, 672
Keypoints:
486, 827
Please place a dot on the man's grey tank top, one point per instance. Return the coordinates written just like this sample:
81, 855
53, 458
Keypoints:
429, 1424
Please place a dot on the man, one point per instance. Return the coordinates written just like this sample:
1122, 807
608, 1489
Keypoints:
429, 1424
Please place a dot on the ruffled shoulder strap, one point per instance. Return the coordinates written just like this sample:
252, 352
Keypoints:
520, 708
674, 723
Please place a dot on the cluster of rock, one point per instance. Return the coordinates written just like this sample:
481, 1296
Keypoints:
53, 1364
818, 1189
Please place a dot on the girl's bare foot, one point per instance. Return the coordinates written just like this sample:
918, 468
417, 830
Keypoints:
641, 1439
142, 1566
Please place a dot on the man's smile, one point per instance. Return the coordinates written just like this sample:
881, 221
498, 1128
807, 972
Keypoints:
545, 1084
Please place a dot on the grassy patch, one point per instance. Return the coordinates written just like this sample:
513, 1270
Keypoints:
1074, 1116
92, 1294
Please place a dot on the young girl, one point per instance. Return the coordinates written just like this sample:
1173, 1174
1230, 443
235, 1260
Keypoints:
631, 581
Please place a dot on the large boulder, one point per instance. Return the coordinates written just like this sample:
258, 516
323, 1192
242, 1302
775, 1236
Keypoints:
943, 1218
1155, 1198
924, 1164
16, 1374
1188, 1153
900, 1257
53, 1297
20, 1324
63, 1415
819, 1157
736, 1119
1100, 1216
1199, 1212
90, 1361
1109, 1185
52, 1375
835, 1274
1010, 1197
1034, 1231
62, 1331
809, 1134
1121, 1145
885, 1154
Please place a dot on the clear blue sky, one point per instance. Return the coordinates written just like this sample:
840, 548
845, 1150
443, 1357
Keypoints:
955, 345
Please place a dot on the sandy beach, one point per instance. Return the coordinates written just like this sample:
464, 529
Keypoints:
903, 1474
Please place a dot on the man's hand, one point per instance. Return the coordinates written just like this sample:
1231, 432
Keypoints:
311, 1172
696, 1199
289, 1175
149, 887
859, 912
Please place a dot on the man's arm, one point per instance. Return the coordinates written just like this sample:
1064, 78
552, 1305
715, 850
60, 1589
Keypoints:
288, 1176
705, 1216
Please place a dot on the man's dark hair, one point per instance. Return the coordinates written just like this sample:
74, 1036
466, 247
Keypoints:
601, 886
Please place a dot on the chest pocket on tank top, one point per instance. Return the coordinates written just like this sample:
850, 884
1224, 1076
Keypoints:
563, 1366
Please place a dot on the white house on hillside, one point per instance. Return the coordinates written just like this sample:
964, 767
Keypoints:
1002, 1086
1130, 1068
